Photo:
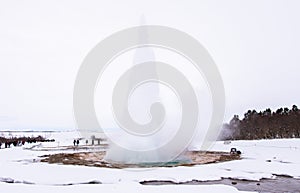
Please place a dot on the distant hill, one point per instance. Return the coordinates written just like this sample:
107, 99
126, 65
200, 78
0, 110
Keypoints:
283, 123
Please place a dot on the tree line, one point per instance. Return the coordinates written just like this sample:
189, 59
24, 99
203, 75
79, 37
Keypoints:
282, 123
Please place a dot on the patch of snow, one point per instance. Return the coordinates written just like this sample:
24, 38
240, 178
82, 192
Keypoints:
260, 159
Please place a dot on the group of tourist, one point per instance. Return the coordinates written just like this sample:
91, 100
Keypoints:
19, 141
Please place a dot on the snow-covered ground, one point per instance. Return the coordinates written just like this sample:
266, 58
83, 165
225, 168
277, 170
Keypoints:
260, 159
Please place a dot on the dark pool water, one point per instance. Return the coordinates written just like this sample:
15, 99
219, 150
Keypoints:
282, 184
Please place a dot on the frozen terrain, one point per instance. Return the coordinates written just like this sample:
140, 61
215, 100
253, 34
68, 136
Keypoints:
20, 170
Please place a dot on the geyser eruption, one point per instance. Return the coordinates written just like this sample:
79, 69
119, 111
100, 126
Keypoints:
149, 110
152, 107
137, 147
139, 90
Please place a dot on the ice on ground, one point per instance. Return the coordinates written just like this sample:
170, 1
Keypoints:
122, 188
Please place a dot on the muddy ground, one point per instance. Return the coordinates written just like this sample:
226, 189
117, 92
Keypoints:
96, 159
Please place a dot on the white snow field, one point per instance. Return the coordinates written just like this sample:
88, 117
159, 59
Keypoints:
260, 159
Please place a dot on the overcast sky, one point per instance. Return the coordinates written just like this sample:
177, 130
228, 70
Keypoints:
255, 44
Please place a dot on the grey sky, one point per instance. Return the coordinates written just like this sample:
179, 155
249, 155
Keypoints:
255, 43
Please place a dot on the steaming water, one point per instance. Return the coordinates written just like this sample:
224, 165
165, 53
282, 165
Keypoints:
129, 148
139, 150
